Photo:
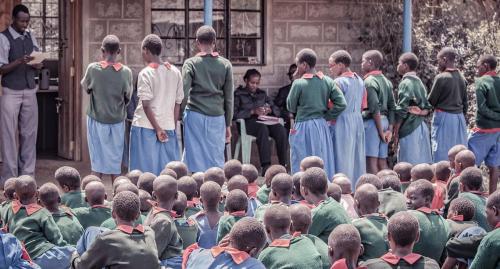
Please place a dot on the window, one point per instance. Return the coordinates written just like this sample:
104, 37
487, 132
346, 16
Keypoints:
239, 25
44, 24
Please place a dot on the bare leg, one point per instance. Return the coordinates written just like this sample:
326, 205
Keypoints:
493, 178
382, 164
371, 165
113, 177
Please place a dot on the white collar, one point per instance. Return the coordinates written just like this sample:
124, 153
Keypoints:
15, 34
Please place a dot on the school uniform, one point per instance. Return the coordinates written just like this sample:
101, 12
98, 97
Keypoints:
484, 140
110, 88
126, 247
192, 208
92, 216
218, 257
391, 202
434, 233
347, 201
227, 222
167, 238
458, 225
452, 191
253, 188
253, 204
479, 201
310, 135
263, 194
70, 227
342, 264
261, 210
322, 249
4, 207
161, 85
448, 96
12, 253
380, 99
439, 197
207, 236
188, 231
327, 215
74, 199
209, 95
111, 224
414, 138
488, 253
391, 261
291, 251
348, 132
373, 231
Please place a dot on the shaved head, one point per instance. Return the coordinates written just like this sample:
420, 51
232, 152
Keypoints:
344, 183
301, 218
366, 199
464, 159
25, 189
238, 182
95, 193
165, 188
422, 171
403, 169
277, 217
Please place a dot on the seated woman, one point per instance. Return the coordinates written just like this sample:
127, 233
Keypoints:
250, 102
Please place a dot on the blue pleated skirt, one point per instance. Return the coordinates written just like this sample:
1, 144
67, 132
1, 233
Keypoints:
106, 142
415, 148
448, 130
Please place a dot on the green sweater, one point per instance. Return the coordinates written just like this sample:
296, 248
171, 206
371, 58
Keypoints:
326, 216
488, 253
308, 99
422, 263
74, 199
168, 240
208, 86
111, 224
449, 92
188, 231
457, 227
263, 194
488, 102
380, 97
68, 224
434, 233
411, 92
479, 207
92, 216
322, 249
391, 202
299, 254
373, 232
226, 223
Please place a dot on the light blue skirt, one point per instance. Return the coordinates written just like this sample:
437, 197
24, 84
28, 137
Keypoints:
486, 147
448, 130
148, 154
55, 258
106, 143
415, 148
204, 141
312, 138
374, 146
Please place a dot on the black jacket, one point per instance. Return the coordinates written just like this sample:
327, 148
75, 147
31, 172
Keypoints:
244, 102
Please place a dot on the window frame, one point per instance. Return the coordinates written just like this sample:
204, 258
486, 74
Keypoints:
42, 37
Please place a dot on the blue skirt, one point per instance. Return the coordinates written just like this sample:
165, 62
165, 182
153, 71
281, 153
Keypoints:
374, 146
312, 138
486, 147
415, 148
448, 130
204, 141
148, 154
106, 142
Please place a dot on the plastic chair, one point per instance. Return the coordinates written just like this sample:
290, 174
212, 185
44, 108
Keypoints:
245, 141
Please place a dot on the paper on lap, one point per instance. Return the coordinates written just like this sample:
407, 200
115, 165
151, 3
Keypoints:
268, 120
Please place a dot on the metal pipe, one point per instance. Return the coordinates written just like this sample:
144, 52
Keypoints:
407, 24
208, 10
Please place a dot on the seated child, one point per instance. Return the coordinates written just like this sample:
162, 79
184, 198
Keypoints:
460, 216
198, 177
434, 230
328, 213
241, 183
346, 199
68, 224
189, 187
452, 154
180, 168
372, 225
403, 233
236, 206
145, 182
386, 172
208, 219
263, 193
281, 191
424, 171
161, 220
12, 253
126, 186
390, 196
403, 169
187, 229
442, 173
249, 171
369, 178
97, 213
9, 188
245, 241
301, 221
68, 179
216, 175
34, 226
168, 172
391, 182
297, 196
471, 181
232, 168
311, 161
463, 159
334, 191
128, 246
344, 247
87, 179
145, 199
286, 250
134, 176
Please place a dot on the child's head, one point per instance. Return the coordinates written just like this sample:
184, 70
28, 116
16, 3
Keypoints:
127, 186
446, 58
344, 242
248, 235
366, 200
95, 193
145, 197
250, 172
134, 176
471, 179
485, 64
297, 196
232, 168
372, 60
422, 171
369, 178
151, 47
271, 172
198, 177
168, 172
334, 191
305, 60
118, 181
386, 172
408, 62
282, 187
110, 46
210, 195
277, 221
9, 188
493, 209
68, 178
391, 181
126, 207
344, 183
180, 204
461, 207
313, 184
25, 190
464, 159
48, 194
205, 36
188, 186
419, 194
238, 182
216, 175
301, 218
339, 62
311, 161
87, 179
452, 153
180, 168
165, 189
442, 171
236, 200
403, 169
402, 230
145, 182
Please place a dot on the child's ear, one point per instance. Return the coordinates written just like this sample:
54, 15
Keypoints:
361, 250
153, 195
105, 196
253, 252
330, 253
86, 200
113, 214
418, 236
119, 50
59, 200
15, 196
461, 186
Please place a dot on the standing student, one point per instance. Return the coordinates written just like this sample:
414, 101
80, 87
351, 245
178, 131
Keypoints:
448, 96
308, 99
484, 141
208, 91
153, 142
109, 84
280, 99
348, 132
379, 116
410, 131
